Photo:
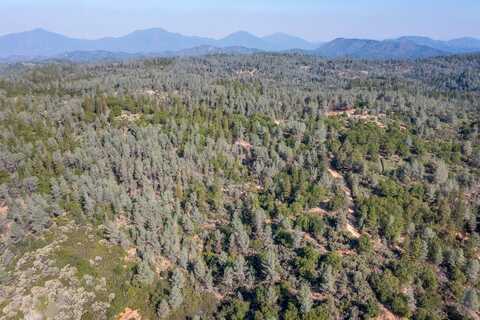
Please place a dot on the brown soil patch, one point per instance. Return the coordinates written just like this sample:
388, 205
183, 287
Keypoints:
212, 224
473, 193
308, 238
3, 210
347, 192
5, 230
462, 236
348, 112
371, 118
318, 211
121, 221
129, 314
217, 294
127, 116
150, 92
209, 226
198, 242
162, 264
386, 315
346, 252
353, 231
334, 173
244, 144
131, 255
317, 296
246, 72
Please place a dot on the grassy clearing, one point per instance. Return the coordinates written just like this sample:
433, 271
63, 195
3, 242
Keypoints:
85, 251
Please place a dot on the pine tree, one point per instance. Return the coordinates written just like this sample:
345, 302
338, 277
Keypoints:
270, 265
470, 299
305, 299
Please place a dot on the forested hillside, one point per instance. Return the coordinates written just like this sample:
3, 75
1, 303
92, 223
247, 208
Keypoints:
265, 186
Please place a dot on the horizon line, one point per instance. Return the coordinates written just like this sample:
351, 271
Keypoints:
393, 37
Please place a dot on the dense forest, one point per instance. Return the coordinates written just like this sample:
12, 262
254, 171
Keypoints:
265, 186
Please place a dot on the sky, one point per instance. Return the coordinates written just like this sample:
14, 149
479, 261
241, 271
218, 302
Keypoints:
314, 20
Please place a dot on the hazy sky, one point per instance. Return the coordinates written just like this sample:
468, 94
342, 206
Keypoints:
312, 19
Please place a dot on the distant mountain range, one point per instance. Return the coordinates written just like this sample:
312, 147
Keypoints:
387, 49
42, 44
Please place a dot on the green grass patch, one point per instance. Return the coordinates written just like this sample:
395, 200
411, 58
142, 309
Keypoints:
81, 248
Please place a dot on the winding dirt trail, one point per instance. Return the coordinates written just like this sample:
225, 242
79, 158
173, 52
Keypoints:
351, 221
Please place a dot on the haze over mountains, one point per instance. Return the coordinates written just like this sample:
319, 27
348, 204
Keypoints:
42, 44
